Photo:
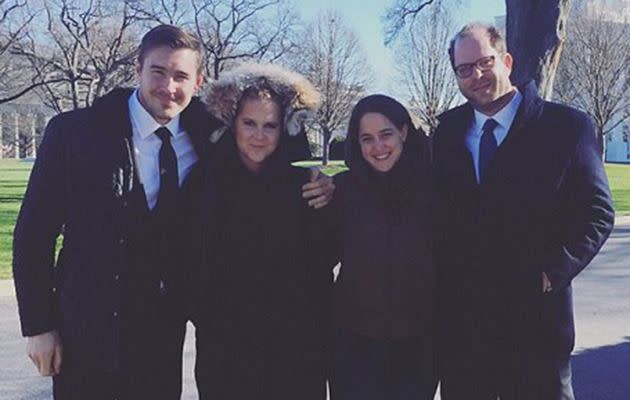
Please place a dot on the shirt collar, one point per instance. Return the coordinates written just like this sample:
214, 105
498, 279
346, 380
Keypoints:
504, 116
143, 122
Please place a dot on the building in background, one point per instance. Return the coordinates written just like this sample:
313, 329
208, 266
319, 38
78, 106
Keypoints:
21, 129
618, 144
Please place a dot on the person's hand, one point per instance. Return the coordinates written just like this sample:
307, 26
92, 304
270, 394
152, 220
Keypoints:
546, 283
319, 190
45, 351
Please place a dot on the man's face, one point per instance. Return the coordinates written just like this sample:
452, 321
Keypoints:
483, 89
167, 80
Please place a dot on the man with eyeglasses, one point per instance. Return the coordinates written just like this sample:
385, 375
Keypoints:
524, 206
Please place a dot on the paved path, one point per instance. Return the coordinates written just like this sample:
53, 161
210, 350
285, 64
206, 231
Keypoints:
18, 377
601, 360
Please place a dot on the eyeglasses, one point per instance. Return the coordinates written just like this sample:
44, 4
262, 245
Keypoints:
463, 71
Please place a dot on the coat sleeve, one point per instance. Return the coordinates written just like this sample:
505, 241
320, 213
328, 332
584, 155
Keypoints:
333, 218
589, 213
323, 230
38, 225
194, 241
440, 201
322, 257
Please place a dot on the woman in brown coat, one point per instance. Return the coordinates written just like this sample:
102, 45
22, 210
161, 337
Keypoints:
384, 294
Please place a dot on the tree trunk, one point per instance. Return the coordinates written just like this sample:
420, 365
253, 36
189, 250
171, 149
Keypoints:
1, 141
601, 140
326, 146
33, 135
536, 31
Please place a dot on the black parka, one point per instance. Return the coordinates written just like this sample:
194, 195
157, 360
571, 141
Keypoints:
384, 238
264, 286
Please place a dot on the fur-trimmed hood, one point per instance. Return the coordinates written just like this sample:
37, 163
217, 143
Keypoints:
299, 97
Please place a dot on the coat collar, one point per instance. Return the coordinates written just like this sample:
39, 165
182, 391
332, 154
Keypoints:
112, 113
455, 123
504, 117
531, 105
459, 119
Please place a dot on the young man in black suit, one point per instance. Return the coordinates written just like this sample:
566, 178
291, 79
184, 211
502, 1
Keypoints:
525, 207
106, 321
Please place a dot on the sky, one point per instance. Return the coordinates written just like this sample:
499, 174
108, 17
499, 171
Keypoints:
364, 16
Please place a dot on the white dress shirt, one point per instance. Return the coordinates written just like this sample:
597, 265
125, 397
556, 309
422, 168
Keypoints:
504, 119
146, 148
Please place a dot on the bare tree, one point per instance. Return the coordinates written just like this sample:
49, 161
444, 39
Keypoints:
86, 48
536, 51
15, 18
241, 30
172, 12
231, 31
333, 59
76, 50
425, 71
401, 14
595, 72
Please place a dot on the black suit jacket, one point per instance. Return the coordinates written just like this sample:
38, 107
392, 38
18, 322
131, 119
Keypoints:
82, 180
545, 206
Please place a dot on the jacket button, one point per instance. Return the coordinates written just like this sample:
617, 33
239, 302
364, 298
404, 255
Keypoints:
116, 277
115, 313
121, 240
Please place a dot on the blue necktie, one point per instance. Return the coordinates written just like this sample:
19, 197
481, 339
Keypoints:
487, 147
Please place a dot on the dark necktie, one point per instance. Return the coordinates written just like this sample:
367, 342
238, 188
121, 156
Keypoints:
169, 177
165, 208
487, 147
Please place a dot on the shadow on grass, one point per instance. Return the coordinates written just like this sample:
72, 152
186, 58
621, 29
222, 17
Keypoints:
602, 373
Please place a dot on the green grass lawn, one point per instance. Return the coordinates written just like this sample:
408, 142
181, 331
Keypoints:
619, 177
14, 174
13, 178
333, 167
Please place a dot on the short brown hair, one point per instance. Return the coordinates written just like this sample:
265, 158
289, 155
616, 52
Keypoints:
169, 36
496, 38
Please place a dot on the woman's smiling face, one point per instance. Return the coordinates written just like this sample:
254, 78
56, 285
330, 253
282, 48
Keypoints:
381, 141
257, 131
